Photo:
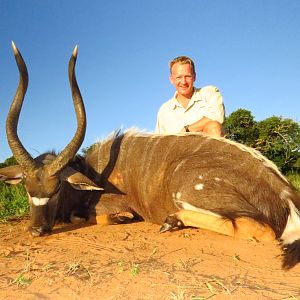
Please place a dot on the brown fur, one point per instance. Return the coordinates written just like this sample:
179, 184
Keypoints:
149, 169
177, 180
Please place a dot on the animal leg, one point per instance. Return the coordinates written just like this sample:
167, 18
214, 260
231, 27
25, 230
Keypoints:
112, 209
111, 219
244, 228
207, 221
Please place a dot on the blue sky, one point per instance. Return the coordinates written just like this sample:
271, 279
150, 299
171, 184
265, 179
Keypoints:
249, 49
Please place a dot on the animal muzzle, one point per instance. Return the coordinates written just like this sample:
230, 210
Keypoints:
41, 221
37, 231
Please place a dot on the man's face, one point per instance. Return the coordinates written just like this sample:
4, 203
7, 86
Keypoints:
183, 79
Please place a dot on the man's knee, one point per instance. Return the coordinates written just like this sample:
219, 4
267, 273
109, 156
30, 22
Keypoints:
214, 129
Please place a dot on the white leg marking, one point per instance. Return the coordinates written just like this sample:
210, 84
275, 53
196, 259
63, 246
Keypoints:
187, 206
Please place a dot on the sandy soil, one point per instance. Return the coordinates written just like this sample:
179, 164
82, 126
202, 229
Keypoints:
134, 261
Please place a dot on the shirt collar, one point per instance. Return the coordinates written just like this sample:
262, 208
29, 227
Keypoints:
175, 103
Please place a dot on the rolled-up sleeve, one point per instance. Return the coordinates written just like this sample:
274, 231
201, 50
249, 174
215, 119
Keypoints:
215, 106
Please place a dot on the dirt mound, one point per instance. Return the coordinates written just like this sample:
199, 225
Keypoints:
134, 261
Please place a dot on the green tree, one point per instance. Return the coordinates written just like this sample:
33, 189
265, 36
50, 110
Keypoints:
9, 162
240, 126
279, 140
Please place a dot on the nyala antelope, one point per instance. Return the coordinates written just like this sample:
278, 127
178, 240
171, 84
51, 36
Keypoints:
173, 180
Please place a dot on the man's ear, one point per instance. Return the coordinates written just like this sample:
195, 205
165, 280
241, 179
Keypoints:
78, 181
11, 174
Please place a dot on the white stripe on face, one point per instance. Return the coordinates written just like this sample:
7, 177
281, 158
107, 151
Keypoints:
39, 201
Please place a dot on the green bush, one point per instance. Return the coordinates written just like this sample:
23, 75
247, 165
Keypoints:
13, 201
294, 178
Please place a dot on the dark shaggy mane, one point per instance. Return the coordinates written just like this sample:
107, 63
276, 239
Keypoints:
116, 135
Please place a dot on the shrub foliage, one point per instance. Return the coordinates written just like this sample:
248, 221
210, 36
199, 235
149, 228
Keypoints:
13, 198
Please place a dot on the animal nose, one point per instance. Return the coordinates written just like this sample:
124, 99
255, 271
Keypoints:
38, 231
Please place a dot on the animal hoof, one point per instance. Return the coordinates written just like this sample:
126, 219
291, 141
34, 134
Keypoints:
165, 227
122, 218
171, 222
38, 231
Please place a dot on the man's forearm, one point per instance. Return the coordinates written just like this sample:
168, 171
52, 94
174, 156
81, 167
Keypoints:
199, 125
206, 125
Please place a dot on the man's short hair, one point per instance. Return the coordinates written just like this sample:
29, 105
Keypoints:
182, 60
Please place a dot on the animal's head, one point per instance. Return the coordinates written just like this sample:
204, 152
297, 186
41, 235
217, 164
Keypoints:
44, 176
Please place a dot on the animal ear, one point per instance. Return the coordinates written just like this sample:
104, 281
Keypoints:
79, 181
11, 174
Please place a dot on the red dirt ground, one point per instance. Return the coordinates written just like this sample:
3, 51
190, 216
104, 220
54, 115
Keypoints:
134, 261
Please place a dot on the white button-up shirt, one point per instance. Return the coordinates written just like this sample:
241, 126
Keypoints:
205, 102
